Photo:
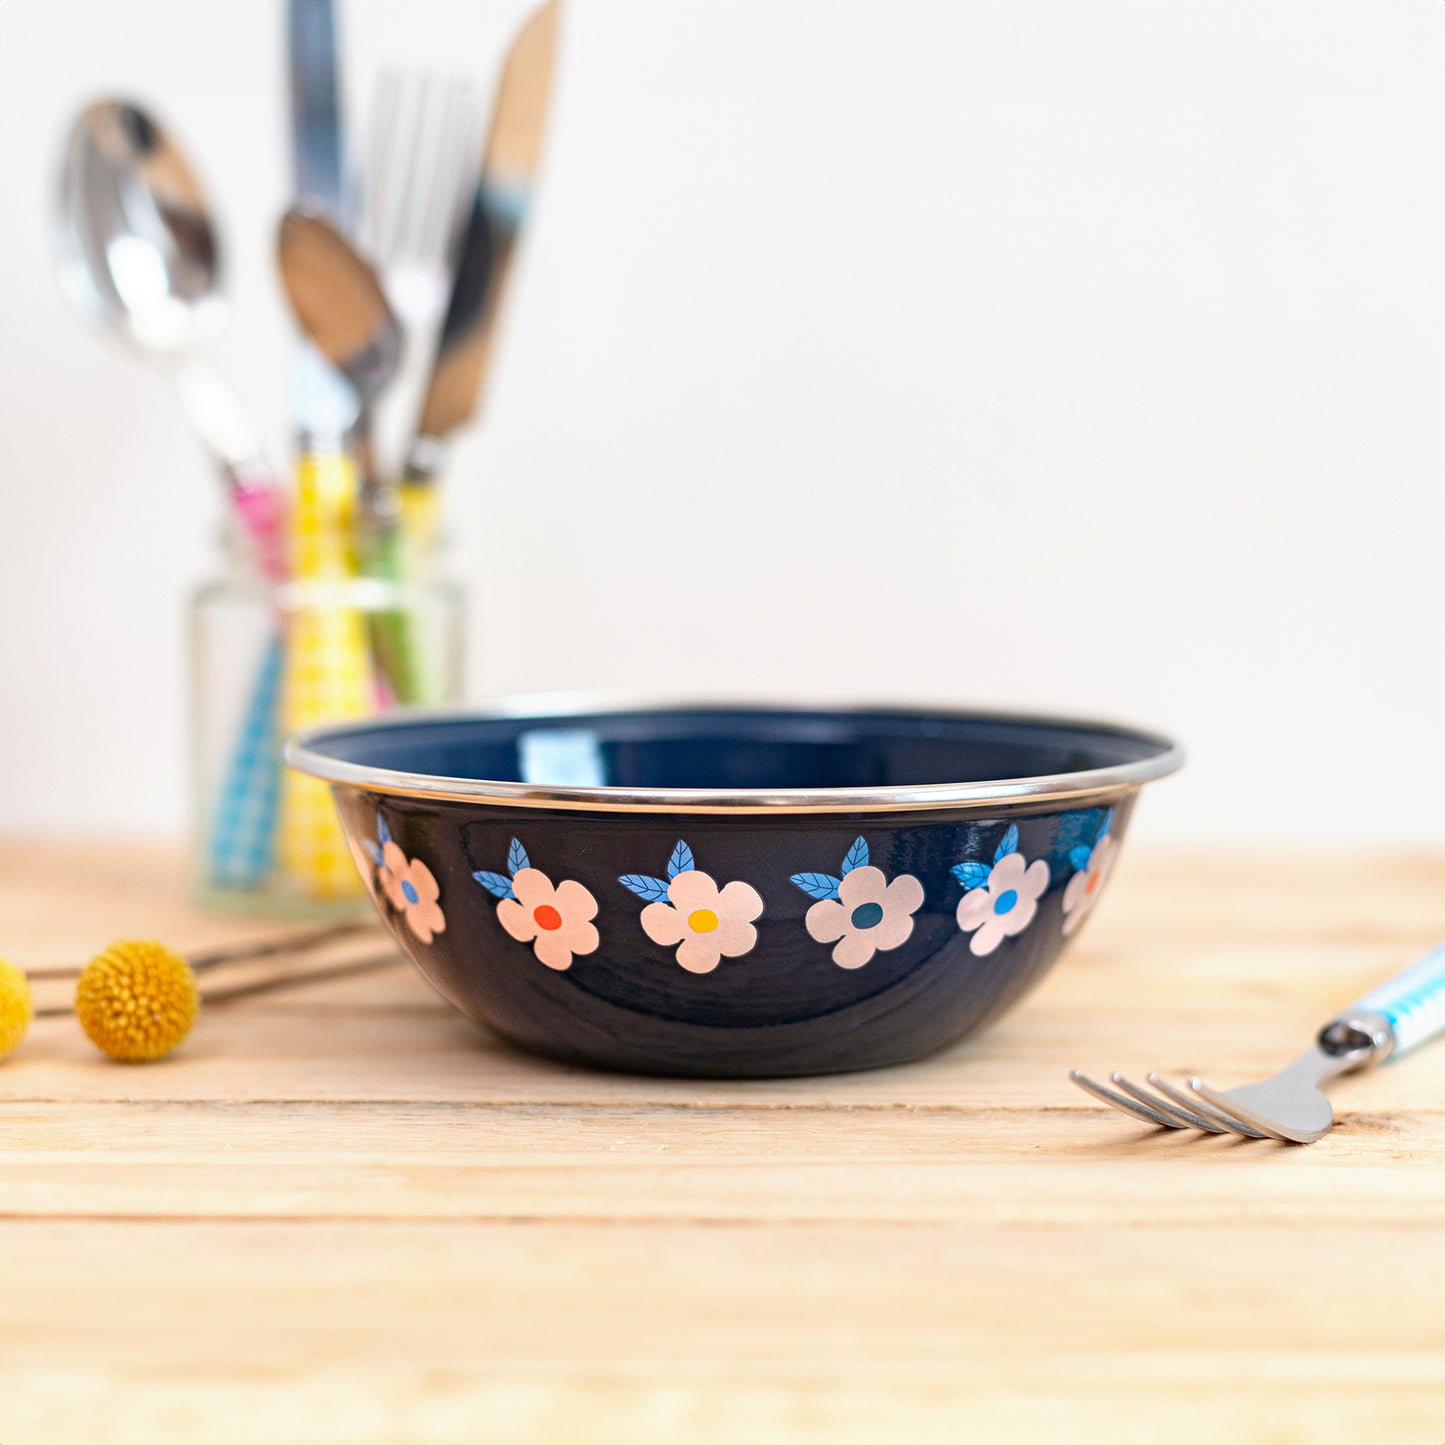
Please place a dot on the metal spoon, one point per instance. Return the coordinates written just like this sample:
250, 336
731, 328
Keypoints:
137, 253
341, 306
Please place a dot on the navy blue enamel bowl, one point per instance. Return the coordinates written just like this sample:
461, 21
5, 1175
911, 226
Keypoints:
733, 891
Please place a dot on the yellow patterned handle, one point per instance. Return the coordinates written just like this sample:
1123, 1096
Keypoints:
328, 674
420, 510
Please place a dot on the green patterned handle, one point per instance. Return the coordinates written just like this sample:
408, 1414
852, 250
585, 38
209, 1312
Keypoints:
405, 641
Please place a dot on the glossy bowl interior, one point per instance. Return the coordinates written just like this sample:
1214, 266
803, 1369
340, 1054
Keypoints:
734, 891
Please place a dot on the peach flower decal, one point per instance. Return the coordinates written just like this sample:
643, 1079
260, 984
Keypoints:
555, 920
861, 912
1094, 865
707, 923
407, 883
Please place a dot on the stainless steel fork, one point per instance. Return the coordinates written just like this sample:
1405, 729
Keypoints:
1401, 1014
421, 166
422, 162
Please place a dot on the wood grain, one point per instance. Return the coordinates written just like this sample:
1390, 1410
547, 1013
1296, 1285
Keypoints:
344, 1214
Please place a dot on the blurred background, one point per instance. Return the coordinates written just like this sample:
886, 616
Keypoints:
1014, 352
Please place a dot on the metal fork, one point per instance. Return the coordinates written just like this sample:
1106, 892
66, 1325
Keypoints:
1401, 1014
421, 163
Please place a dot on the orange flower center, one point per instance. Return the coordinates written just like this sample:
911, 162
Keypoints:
1092, 884
702, 920
547, 917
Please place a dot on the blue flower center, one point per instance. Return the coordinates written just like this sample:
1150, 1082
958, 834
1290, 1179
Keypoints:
1005, 901
408, 892
867, 915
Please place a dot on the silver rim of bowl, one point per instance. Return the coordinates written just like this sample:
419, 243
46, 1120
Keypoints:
306, 753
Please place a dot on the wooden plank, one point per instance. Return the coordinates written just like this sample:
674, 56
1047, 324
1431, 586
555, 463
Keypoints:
723, 1165
631, 1333
1080, 1399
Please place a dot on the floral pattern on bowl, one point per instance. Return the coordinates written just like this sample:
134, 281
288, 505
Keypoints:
689, 910
1094, 866
555, 920
1002, 897
860, 912
406, 883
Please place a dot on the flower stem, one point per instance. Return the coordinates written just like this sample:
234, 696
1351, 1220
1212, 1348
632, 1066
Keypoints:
268, 985
234, 953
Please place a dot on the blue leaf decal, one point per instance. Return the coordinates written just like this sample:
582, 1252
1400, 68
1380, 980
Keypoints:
651, 890
857, 856
375, 850
681, 860
383, 833
972, 875
1107, 823
495, 884
517, 858
1080, 856
1009, 845
817, 885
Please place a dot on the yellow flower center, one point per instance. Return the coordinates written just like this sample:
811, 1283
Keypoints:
702, 920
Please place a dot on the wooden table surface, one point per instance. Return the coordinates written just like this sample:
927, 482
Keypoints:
345, 1214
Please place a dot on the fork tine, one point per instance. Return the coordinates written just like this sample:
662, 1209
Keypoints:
1188, 1118
425, 124
1247, 1117
454, 147
1123, 1105
381, 162
1222, 1117
414, 179
420, 169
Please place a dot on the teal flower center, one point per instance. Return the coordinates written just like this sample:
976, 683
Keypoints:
867, 915
409, 892
1005, 901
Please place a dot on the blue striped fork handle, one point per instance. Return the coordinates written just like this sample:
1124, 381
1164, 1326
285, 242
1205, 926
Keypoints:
1412, 1004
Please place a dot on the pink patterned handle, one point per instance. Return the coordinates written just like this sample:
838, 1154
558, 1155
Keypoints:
262, 510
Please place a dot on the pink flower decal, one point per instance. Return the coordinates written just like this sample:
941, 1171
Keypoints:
688, 909
861, 912
555, 920
407, 884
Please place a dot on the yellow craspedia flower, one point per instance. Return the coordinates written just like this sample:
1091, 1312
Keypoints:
17, 1006
137, 1000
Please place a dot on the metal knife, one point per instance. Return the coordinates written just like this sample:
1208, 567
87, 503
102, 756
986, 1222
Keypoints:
318, 159
323, 403
488, 240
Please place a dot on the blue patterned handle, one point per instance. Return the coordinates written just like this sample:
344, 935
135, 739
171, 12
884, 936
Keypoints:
1412, 1003
243, 840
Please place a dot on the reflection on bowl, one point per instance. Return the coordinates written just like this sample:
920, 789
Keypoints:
733, 891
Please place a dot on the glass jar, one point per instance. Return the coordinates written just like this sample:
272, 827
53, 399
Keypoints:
268, 659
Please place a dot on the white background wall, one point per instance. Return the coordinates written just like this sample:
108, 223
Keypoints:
1085, 357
